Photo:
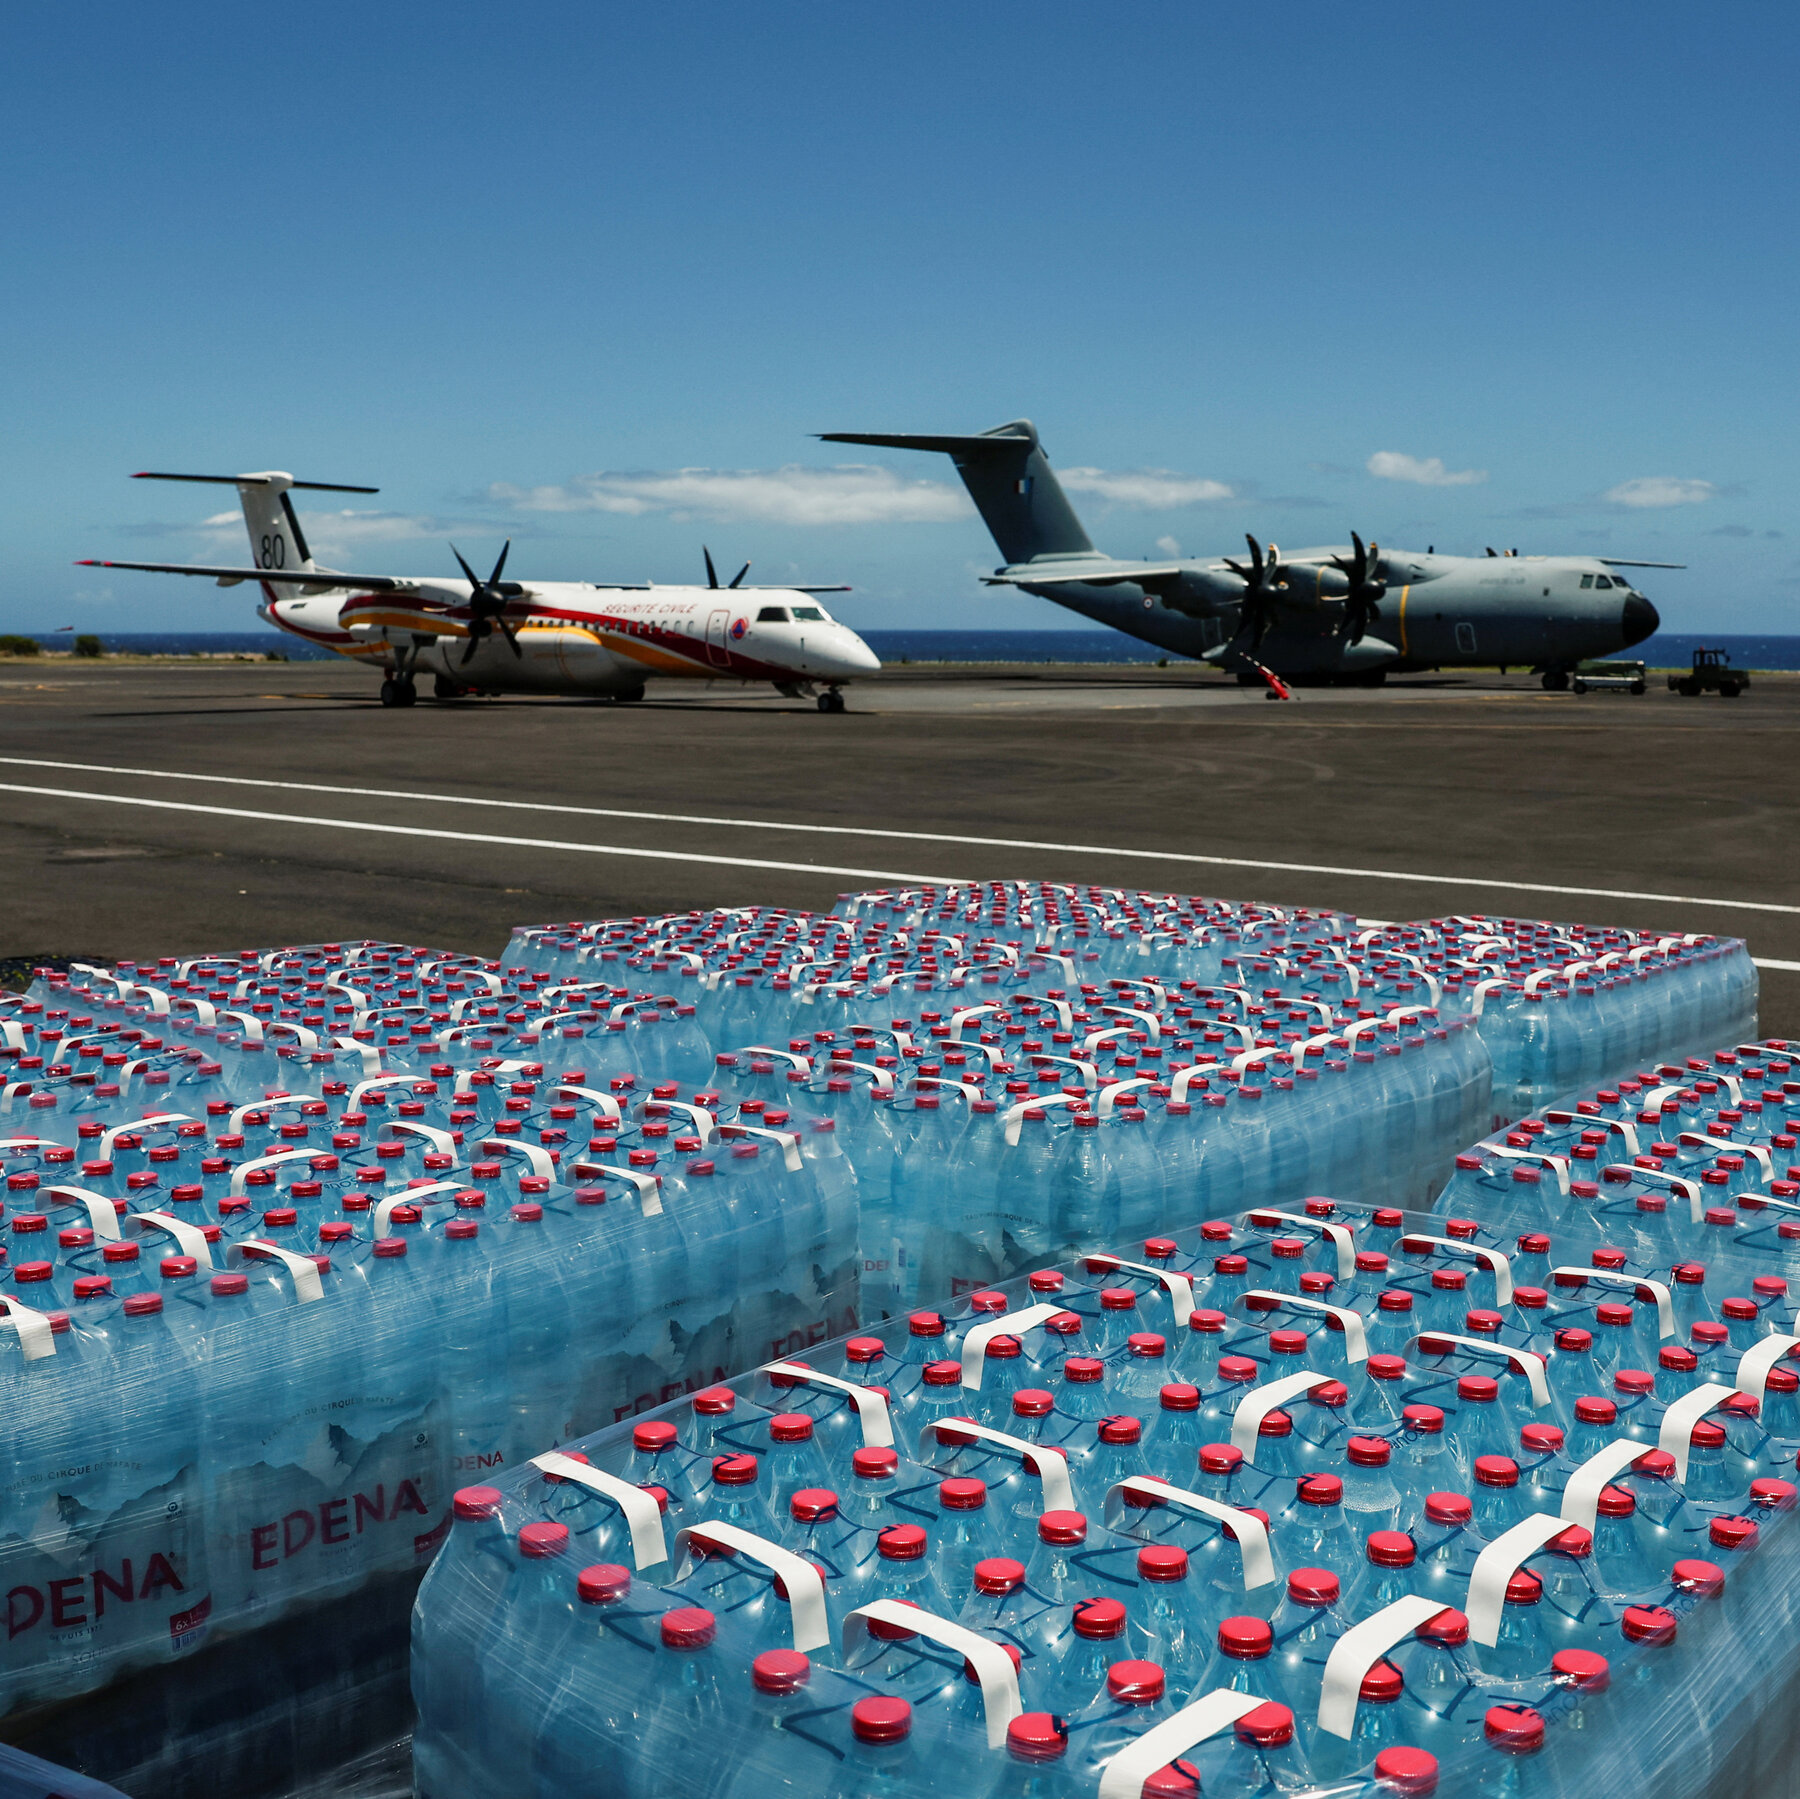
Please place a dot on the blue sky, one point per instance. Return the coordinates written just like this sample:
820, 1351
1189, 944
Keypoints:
589, 276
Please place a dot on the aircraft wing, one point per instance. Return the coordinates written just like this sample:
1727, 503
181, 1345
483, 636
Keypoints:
1105, 574
790, 587
1622, 562
286, 577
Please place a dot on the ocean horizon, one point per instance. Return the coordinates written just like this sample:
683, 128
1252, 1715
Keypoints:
1667, 649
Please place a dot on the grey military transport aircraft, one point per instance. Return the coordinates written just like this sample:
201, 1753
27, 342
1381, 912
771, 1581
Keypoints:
1343, 613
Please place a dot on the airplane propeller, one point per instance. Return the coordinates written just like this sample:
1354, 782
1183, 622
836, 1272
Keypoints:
1263, 581
487, 605
712, 574
1363, 573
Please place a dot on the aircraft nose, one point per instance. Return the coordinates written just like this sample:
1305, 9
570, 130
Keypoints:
1638, 620
856, 655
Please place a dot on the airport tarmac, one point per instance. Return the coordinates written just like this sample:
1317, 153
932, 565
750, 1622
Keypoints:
162, 809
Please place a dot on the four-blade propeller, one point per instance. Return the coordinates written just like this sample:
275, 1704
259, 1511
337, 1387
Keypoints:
1362, 571
712, 574
1264, 580
487, 605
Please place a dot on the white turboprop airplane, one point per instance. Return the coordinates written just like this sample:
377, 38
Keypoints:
593, 640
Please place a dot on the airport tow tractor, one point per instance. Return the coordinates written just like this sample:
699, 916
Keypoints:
1711, 673
581, 639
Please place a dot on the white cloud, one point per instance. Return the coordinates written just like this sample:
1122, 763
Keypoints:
1153, 489
850, 494
1170, 546
333, 535
1423, 471
1659, 490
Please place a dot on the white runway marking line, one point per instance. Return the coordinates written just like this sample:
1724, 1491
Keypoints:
535, 843
765, 824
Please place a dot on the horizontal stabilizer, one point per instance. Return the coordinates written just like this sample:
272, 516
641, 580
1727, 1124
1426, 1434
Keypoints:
1001, 443
252, 481
1102, 574
282, 577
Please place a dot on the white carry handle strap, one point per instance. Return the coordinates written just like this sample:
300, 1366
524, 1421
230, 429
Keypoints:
1358, 1650
649, 1186
1478, 999
241, 1173
101, 1213
303, 1038
1342, 1237
789, 1141
534, 1153
1095, 1038
1109, 1094
1259, 1402
1356, 1342
1185, 1077
601, 1102
441, 1141
643, 1516
1173, 1738
1754, 1364
1665, 1304
1690, 1190
1558, 1165
1677, 1434
253, 1028
805, 1588
1581, 1497
1000, 1702
791, 1057
190, 1239
1051, 1467
1251, 1533
36, 1338
871, 1408
1724, 1145
1013, 1117
407, 1196
1180, 1286
1623, 1126
1149, 1020
1009, 1324
1529, 1365
371, 1056
355, 1102
308, 1285
1497, 1260
1498, 1563
706, 1126
959, 1019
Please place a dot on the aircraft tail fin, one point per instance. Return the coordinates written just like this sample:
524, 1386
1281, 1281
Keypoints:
276, 539
1011, 482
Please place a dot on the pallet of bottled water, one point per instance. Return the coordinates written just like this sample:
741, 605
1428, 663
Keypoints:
1333, 1498
398, 1218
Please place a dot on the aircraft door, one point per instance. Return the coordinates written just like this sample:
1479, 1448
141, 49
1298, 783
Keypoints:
716, 652
1465, 639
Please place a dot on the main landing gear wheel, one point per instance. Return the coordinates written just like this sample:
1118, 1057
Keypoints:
442, 688
831, 700
1556, 680
398, 693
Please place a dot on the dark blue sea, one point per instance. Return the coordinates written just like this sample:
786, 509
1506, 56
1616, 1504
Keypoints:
1668, 649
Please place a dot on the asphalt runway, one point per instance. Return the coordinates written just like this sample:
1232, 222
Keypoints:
173, 808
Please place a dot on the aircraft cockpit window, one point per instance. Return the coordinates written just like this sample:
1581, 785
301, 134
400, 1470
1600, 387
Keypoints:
1587, 580
810, 615
772, 615
1603, 581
